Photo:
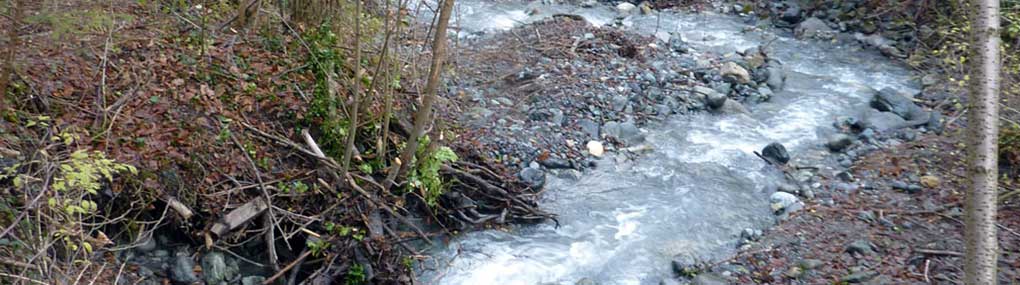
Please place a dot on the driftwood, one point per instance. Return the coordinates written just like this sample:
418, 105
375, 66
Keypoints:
517, 206
239, 216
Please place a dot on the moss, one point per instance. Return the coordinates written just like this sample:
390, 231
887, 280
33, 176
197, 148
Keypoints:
77, 23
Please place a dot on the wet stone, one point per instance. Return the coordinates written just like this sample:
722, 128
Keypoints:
252, 280
533, 177
183, 270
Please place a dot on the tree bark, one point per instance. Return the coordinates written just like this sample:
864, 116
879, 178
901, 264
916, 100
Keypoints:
423, 116
13, 41
980, 234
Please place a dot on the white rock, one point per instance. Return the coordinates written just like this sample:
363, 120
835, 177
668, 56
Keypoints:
785, 202
625, 7
595, 148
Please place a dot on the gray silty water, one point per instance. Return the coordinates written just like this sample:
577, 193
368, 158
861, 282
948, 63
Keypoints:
623, 222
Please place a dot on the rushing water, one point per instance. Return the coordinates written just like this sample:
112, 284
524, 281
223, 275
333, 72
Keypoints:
623, 222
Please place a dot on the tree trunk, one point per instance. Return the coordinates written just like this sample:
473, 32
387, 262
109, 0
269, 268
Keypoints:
423, 116
13, 41
980, 236
352, 133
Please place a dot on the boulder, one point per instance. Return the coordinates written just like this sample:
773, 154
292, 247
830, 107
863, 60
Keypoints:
813, 28
733, 107
713, 99
533, 177
684, 265
881, 121
183, 270
891, 100
784, 203
776, 153
626, 132
839, 142
777, 78
792, 14
216, 269
625, 7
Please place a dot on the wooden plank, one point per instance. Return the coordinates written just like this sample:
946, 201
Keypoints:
239, 216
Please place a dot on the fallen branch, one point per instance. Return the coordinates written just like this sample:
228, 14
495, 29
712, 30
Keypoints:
283, 270
19, 264
389, 210
179, 207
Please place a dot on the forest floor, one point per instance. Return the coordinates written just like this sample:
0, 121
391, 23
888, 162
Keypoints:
208, 117
875, 234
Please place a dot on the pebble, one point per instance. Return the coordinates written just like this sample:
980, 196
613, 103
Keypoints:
810, 264
861, 246
930, 181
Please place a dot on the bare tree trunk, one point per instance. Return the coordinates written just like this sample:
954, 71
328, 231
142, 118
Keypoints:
384, 68
352, 134
982, 244
423, 116
13, 41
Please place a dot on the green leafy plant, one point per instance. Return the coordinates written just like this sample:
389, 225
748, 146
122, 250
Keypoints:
292, 187
425, 177
355, 275
78, 177
317, 246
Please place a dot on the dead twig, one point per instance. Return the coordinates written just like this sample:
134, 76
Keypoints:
270, 219
280, 272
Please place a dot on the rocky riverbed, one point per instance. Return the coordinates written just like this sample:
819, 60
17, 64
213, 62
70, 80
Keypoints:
557, 93
819, 92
